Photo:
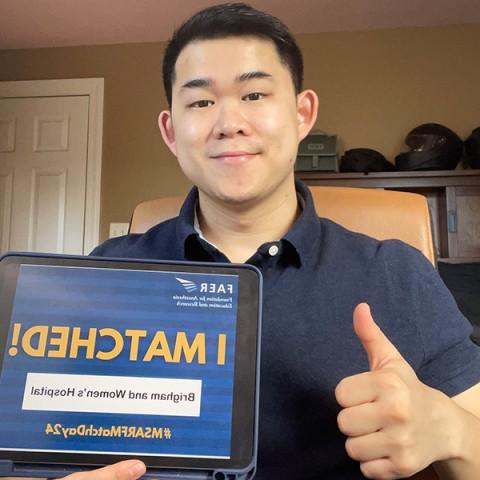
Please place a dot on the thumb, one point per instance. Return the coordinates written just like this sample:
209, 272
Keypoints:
377, 346
126, 470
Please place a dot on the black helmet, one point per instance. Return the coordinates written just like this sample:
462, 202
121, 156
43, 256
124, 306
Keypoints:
433, 147
364, 160
472, 148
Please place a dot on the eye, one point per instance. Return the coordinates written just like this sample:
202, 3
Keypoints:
201, 104
254, 96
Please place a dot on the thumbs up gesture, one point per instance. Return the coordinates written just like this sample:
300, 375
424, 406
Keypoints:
396, 425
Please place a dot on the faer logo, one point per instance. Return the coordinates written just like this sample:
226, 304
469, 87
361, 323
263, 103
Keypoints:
188, 285
211, 287
216, 288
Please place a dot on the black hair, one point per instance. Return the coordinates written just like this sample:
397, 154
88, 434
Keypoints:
232, 20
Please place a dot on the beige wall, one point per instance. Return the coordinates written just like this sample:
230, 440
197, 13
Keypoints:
373, 88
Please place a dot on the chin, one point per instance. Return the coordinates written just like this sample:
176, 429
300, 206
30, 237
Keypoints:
238, 198
236, 195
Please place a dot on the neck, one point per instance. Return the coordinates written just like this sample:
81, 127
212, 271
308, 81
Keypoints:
238, 230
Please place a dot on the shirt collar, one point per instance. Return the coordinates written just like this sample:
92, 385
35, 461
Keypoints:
304, 235
186, 233
299, 236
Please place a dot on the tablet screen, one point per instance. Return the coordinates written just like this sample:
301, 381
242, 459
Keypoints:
121, 362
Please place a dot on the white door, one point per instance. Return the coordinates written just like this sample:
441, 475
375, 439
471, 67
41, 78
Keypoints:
43, 163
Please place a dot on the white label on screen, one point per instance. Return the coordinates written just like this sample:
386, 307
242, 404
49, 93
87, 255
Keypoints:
112, 394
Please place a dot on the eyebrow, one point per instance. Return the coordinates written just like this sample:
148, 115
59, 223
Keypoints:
198, 83
208, 82
252, 76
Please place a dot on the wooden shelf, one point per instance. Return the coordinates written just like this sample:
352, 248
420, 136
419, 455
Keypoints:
433, 178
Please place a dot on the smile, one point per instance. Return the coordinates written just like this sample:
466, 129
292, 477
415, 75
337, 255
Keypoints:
234, 157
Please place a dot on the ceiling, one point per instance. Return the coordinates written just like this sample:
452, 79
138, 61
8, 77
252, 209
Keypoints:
55, 23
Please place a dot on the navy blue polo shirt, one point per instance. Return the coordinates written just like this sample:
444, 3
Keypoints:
313, 280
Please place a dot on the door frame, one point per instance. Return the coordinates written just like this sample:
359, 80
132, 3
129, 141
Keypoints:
94, 89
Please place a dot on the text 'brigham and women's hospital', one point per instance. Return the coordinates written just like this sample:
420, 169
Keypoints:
120, 393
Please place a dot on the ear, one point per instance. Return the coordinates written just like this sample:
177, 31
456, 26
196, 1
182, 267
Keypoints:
166, 129
307, 108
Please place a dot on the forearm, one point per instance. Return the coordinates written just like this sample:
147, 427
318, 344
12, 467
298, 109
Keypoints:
464, 462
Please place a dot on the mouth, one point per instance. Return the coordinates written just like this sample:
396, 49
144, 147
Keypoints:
234, 157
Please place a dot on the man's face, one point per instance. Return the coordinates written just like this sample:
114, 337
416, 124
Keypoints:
235, 121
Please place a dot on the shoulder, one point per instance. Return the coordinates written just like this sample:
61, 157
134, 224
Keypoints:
410, 303
360, 249
397, 270
158, 242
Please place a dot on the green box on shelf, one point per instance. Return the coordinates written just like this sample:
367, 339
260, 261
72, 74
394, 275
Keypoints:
317, 152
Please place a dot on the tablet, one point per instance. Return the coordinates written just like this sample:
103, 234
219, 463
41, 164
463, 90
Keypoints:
107, 359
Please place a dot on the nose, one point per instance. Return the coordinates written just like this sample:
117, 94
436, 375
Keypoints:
230, 122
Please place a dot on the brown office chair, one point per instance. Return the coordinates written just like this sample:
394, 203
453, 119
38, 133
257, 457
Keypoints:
381, 214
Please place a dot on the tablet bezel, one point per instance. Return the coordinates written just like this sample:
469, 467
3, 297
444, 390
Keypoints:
246, 369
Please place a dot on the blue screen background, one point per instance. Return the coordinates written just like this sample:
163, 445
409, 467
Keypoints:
121, 299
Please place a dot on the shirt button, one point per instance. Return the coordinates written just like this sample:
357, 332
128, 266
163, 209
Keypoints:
273, 250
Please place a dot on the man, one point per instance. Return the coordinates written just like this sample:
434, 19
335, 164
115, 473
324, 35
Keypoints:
337, 402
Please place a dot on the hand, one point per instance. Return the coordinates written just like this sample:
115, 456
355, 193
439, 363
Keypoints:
126, 470
396, 425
